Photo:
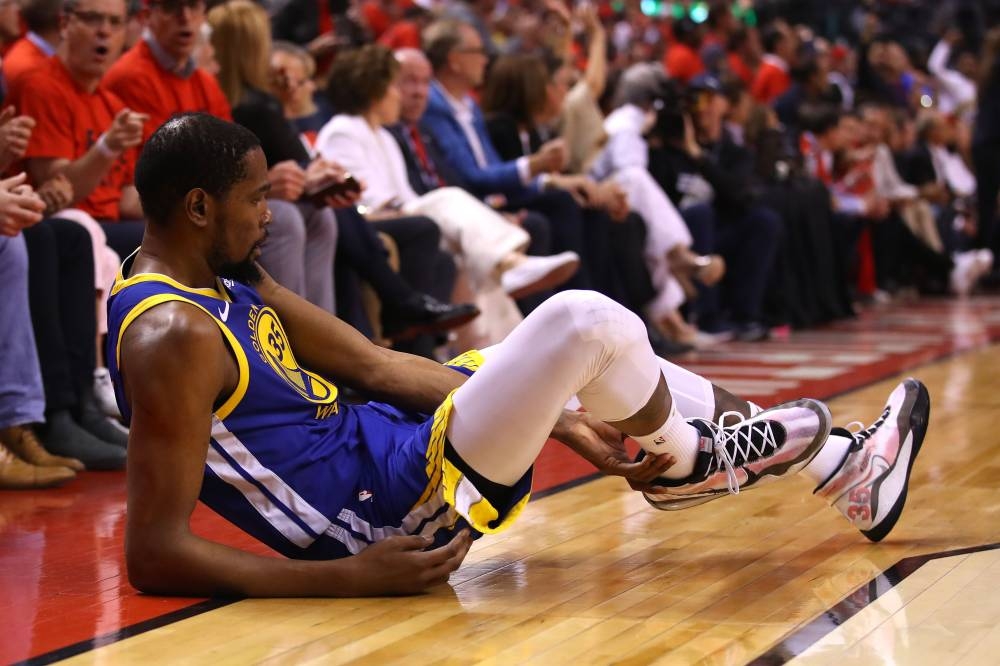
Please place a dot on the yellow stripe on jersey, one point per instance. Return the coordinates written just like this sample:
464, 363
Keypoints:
241, 358
443, 476
121, 282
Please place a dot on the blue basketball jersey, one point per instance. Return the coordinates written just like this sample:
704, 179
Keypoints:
291, 465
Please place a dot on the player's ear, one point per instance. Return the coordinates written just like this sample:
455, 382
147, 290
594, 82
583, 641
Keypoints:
198, 206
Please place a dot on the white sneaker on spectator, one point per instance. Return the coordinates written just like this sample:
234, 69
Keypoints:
965, 273
104, 393
534, 274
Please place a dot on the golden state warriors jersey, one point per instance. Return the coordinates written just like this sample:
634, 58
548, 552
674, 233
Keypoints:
281, 443
292, 466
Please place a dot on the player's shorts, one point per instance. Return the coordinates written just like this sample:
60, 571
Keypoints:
415, 483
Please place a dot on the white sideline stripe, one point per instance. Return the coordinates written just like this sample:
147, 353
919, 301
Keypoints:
282, 492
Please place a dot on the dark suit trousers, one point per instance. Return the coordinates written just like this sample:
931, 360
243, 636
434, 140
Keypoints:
62, 298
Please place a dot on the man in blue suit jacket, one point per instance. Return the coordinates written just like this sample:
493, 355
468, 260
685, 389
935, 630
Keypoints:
457, 55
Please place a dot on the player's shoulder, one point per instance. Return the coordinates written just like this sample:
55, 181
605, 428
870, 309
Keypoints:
171, 327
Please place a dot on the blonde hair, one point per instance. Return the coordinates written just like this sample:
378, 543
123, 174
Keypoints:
241, 37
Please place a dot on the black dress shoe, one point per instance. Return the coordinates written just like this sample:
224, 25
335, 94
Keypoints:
424, 314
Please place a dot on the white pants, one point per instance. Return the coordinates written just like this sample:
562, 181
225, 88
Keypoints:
480, 236
577, 343
665, 230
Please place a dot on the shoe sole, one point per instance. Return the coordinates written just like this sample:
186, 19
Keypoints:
553, 278
918, 415
414, 330
826, 424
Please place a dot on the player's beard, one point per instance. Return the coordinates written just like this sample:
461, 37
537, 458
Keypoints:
245, 270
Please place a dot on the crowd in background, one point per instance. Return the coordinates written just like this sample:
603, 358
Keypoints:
439, 167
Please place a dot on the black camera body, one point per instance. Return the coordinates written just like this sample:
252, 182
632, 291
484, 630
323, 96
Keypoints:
672, 103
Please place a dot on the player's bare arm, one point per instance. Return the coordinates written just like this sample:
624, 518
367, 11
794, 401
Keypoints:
328, 346
332, 348
171, 423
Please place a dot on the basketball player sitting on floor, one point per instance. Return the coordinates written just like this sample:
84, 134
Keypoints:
226, 377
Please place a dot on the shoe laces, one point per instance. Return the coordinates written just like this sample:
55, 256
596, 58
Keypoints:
860, 434
738, 443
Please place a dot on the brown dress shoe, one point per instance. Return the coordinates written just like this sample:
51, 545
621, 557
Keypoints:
21, 440
15, 474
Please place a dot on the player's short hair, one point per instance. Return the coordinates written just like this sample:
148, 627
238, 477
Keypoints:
191, 150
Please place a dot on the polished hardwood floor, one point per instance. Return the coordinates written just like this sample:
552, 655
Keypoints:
592, 574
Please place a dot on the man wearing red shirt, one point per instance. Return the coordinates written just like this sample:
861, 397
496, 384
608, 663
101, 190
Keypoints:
772, 78
743, 53
41, 17
681, 59
84, 131
158, 76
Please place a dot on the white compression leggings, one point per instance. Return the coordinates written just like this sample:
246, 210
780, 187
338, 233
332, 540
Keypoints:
577, 343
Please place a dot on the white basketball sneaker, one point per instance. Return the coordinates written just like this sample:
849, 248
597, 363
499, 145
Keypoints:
869, 487
746, 454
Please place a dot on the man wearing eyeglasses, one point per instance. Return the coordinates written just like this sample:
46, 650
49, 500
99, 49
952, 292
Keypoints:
159, 76
83, 130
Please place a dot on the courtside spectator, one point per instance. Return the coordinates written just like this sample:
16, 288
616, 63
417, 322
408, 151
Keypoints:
61, 294
84, 131
41, 18
295, 86
158, 76
24, 463
458, 57
682, 58
773, 77
365, 88
303, 237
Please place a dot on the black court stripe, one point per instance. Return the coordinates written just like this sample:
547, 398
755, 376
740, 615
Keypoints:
211, 604
126, 632
558, 488
805, 637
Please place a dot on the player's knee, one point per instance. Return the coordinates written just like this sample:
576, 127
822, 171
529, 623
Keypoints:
589, 316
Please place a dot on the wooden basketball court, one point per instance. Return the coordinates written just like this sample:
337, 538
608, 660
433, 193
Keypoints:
591, 574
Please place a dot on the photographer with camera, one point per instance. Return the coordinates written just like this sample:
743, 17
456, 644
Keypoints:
688, 150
